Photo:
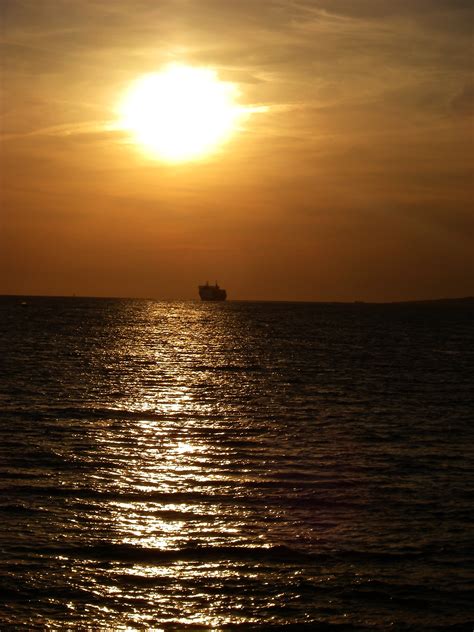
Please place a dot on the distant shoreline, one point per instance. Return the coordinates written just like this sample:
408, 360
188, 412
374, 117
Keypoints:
461, 299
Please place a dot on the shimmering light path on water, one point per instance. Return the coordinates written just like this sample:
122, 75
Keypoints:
187, 465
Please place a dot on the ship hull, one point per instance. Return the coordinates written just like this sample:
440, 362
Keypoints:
213, 298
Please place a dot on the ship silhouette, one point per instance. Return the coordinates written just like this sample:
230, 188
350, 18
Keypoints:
212, 292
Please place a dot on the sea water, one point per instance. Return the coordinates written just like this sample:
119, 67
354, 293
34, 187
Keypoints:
238, 465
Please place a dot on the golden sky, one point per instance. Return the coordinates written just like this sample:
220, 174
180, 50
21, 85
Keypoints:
353, 181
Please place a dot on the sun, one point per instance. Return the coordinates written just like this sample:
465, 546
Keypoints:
181, 113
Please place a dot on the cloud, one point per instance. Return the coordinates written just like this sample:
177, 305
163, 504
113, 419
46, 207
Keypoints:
463, 102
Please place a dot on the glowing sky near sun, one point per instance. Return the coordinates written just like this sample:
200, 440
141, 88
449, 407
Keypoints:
181, 113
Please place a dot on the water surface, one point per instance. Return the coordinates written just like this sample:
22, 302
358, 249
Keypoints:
235, 466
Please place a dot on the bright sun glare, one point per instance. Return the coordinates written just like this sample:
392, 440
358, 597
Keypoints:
181, 113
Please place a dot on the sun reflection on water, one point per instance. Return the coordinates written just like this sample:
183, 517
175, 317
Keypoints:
189, 468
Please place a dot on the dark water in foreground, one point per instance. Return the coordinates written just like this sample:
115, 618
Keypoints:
194, 466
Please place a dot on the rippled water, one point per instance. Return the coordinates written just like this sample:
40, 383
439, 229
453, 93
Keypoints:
235, 466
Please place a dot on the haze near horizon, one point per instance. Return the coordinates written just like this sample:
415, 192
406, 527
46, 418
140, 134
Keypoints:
320, 150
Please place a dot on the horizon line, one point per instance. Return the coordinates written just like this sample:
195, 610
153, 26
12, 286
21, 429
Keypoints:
239, 300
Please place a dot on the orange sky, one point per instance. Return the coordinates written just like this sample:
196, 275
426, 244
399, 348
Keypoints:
355, 184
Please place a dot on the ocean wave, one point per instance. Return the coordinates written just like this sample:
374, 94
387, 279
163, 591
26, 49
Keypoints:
131, 553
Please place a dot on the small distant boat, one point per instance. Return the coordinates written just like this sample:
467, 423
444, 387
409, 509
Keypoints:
212, 292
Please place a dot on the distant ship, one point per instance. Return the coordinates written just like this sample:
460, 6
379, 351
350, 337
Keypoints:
212, 292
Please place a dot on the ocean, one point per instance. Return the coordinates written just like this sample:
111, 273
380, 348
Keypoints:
235, 466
